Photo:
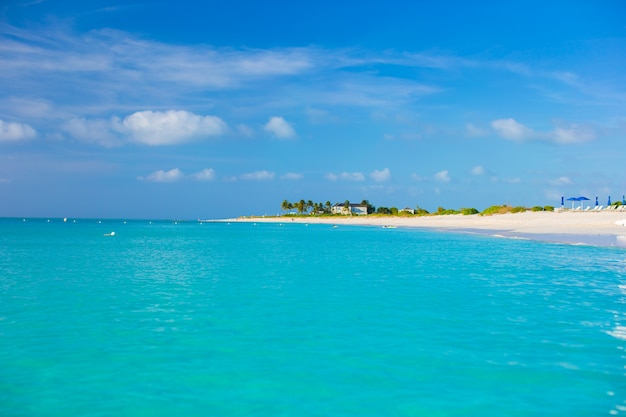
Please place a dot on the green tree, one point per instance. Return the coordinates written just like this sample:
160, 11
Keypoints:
346, 206
301, 206
286, 205
370, 208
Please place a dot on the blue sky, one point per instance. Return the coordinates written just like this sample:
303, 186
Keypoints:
193, 109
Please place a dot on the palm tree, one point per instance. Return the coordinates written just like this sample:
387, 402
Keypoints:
301, 206
346, 206
286, 205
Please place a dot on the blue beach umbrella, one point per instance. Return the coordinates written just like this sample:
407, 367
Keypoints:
609, 203
572, 199
623, 200
596, 200
581, 198
561, 200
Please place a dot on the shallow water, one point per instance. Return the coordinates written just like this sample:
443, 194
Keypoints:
294, 320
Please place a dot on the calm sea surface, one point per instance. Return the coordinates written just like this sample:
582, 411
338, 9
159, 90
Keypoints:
217, 319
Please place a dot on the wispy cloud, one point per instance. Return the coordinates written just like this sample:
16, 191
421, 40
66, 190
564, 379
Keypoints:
574, 133
293, 176
14, 132
478, 170
172, 175
474, 131
381, 175
442, 176
560, 181
346, 176
258, 176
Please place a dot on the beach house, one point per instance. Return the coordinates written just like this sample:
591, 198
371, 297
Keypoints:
340, 208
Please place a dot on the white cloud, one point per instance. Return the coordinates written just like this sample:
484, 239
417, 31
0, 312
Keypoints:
280, 128
573, 134
258, 176
146, 127
14, 132
172, 175
416, 177
292, 176
442, 176
512, 130
207, 174
381, 175
563, 135
560, 181
477, 170
171, 127
98, 131
346, 176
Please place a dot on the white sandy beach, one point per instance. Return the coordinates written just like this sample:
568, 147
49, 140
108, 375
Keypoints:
595, 228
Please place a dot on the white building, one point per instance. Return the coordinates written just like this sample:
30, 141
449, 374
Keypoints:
357, 209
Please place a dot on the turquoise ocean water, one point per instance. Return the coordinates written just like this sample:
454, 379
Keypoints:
218, 319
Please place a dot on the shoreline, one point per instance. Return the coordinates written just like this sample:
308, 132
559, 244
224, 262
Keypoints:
569, 227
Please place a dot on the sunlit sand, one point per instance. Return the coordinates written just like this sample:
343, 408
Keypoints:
604, 227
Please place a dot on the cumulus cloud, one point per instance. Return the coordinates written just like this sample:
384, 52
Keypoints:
380, 175
280, 128
442, 176
153, 128
292, 176
171, 127
258, 176
346, 176
512, 130
207, 174
14, 132
172, 175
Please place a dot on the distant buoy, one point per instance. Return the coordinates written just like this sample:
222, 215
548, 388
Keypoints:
110, 234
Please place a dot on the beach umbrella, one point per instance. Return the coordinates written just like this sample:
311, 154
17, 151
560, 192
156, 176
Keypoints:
581, 198
623, 200
609, 203
572, 199
561, 200
596, 200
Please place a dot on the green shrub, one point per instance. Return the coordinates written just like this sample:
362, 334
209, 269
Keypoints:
468, 211
548, 208
495, 210
537, 208
518, 209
